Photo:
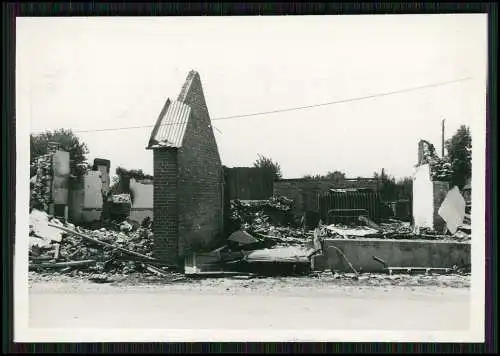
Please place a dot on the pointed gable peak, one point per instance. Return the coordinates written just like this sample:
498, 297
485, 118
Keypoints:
192, 83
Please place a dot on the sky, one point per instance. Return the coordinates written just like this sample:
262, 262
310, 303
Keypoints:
104, 73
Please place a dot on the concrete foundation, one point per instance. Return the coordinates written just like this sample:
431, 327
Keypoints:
396, 253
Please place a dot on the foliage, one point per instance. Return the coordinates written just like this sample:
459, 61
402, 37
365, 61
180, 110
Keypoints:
121, 182
335, 176
459, 148
39, 146
313, 177
391, 189
440, 168
268, 163
137, 174
405, 188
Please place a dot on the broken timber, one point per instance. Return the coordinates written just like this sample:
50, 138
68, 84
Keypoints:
64, 264
102, 242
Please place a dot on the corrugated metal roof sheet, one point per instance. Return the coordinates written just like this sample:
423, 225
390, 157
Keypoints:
172, 126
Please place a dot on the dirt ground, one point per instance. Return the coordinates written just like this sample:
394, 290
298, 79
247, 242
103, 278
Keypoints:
178, 281
315, 302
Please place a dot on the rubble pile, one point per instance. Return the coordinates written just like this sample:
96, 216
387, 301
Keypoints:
117, 207
140, 241
280, 234
42, 186
87, 252
247, 210
269, 219
397, 229
350, 232
120, 199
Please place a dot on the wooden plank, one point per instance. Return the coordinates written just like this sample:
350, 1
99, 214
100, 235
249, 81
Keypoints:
101, 242
64, 264
154, 270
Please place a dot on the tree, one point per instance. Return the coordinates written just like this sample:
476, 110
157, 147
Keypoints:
335, 176
313, 177
459, 148
264, 162
137, 174
405, 188
121, 182
39, 145
386, 185
391, 189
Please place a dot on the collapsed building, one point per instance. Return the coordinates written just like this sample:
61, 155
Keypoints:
433, 195
206, 214
83, 199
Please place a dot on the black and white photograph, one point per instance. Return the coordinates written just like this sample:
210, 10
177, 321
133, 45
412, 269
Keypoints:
251, 178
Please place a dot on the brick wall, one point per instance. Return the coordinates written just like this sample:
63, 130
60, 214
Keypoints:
165, 201
200, 187
304, 193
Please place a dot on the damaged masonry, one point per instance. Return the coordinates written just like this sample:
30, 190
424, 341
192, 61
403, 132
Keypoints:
197, 229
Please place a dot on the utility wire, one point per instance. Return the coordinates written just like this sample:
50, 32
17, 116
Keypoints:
341, 101
347, 100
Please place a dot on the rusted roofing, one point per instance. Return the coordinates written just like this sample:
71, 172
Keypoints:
170, 126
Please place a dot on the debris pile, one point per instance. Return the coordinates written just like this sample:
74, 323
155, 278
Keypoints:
120, 199
42, 186
352, 232
117, 207
267, 219
276, 209
98, 254
264, 243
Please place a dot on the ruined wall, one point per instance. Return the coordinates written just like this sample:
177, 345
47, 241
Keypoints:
396, 253
86, 201
92, 202
428, 196
304, 193
60, 179
105, 179
422, 197
165, 194
142, 206
76, 200
200, 184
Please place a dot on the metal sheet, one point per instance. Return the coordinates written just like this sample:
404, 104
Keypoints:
173, 125
284, 254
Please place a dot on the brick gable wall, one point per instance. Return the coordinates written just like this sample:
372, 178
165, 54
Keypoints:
188, 185
200, 177
165, 201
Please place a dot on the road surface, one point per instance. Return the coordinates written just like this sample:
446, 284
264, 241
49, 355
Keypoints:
243, 305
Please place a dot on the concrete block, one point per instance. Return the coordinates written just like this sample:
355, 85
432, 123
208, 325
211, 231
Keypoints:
396, 253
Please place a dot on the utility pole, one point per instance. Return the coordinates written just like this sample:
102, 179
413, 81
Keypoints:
442, 138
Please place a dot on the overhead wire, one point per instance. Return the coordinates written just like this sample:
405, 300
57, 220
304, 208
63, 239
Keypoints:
341, 101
